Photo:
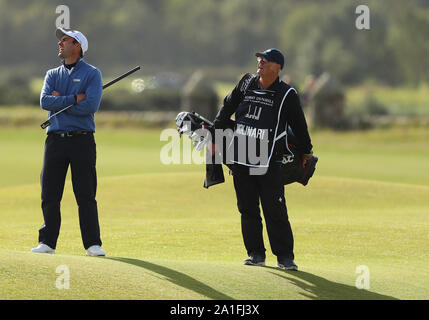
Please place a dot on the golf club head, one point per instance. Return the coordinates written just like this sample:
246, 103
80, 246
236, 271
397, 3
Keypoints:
45, 124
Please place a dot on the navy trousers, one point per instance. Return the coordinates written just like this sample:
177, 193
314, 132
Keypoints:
267, 189
80, 153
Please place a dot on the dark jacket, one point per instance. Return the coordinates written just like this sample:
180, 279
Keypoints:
286, 105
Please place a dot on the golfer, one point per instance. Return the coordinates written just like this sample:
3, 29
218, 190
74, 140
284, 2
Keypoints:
70, 141
264, 108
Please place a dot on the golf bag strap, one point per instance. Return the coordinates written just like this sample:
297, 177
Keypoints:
281, 135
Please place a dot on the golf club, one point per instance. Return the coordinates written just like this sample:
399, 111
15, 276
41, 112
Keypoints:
47, 123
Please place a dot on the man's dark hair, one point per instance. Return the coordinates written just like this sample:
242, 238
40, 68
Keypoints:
81, 52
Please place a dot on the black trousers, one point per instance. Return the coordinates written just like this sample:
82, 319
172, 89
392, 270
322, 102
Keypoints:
269, 191
80, 153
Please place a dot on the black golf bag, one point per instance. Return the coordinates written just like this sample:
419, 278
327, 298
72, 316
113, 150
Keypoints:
293, 170
201, 131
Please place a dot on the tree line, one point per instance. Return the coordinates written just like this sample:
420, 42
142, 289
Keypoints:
223, 35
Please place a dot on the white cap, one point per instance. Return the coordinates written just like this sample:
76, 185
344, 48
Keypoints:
77, 35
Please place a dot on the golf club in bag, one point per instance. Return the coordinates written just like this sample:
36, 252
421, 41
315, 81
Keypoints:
47, 123
201, 130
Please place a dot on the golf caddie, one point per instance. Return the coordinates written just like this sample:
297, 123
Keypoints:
266, 110
70, 142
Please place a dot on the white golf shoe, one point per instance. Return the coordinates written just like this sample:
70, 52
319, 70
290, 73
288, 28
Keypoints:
43, 248
95, 251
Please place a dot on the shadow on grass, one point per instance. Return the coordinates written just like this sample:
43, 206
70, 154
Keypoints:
177, 278
318, 288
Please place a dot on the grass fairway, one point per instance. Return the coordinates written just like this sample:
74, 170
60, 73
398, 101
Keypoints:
169, 238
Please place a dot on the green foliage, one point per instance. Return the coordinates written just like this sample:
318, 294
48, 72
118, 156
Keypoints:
397, 101
180, 34
160, 99
373, 107
409, 41
218, 36
15, 89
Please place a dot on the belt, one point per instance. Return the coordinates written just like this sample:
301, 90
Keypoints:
72, 134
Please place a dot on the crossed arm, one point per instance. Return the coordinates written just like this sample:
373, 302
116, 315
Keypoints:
84, 103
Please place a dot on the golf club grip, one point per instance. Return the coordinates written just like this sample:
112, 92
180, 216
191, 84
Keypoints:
45, 124
121, 77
